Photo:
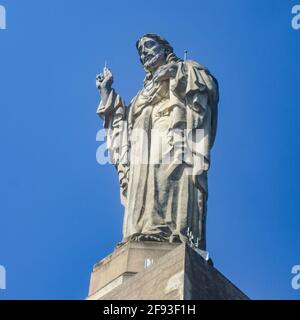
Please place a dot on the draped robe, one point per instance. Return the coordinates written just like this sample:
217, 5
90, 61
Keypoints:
163, 196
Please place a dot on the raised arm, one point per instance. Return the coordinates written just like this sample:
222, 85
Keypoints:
104, 82
113, 111
111, 108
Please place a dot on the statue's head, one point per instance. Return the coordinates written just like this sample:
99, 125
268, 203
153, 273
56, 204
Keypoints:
154, 52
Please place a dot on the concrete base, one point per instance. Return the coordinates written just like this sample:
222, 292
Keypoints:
123, 263
159, 271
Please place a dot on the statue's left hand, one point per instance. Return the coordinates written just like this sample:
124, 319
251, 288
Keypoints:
166, 72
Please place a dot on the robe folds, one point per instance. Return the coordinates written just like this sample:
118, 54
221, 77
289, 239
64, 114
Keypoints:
160, 145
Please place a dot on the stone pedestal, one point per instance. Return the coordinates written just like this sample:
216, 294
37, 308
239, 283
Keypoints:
159, 271
123, 263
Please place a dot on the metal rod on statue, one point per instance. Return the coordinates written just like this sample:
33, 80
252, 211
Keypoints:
185, 55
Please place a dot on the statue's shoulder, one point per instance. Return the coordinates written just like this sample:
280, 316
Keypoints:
195, 64
211, 81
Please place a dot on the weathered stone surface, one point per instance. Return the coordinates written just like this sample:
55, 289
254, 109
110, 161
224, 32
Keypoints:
123, 263
204, 282
180, 274
160, 144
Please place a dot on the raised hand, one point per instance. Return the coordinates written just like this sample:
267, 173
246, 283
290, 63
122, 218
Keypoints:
104, 82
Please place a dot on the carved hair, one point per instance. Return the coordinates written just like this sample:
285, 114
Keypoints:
169, 51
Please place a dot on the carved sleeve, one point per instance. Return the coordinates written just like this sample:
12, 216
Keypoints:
113, 112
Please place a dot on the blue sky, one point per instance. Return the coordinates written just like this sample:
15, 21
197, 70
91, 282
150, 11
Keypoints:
60, 211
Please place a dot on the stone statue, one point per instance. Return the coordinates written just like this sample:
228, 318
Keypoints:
165, 199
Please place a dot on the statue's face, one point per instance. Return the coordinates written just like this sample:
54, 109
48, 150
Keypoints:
152, 53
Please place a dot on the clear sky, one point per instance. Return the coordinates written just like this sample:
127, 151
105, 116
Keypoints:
60, 211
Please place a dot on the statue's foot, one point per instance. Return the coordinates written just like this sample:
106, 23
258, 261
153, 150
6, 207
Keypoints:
142, 237
147, 237
175, 238
150, 237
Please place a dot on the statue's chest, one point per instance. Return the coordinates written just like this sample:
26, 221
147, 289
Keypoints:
153, 93
149, 103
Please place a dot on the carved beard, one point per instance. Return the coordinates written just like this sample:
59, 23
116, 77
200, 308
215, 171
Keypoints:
152, 63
